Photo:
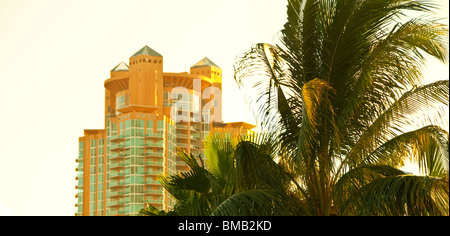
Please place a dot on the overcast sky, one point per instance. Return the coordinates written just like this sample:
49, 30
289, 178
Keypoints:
56, 54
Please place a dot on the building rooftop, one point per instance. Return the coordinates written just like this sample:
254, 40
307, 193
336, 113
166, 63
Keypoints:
205, 62
146, 50
121, 67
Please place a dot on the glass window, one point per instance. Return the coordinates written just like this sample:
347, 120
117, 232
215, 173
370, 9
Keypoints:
150, 125
160, 124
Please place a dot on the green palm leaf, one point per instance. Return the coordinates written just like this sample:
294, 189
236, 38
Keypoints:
252, 202
397, 116
428, 147
404, 195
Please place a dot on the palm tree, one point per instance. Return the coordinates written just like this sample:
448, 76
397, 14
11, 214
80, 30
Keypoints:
352, 108
200, 190
238, 169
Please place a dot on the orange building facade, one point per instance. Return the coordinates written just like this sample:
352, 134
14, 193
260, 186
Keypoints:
149, 114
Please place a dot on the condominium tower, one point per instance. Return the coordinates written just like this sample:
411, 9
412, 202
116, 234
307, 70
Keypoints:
149, 114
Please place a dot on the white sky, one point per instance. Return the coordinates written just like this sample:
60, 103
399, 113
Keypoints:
56, 54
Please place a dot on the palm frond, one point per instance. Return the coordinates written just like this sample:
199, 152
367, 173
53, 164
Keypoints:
399, 115
428, 147
392, 66
352, 181
404, 195
219, 149
252, 203
317, 110
312, 39
261, 69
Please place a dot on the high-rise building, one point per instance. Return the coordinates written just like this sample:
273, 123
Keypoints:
149, 114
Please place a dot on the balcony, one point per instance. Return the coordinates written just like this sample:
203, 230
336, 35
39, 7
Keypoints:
197, 138
117, 147
154, 154
116, 165
182, 136
137, 108
153, 192
151, 182
115, 184
116, 138
160, 136
196, 129
116, 212
116, 156
117, 193
154, 163
183, 127
158, 200
154, 173
115, 85
195, 147
183, 145
181, 163
154, 145
116, 175
116, 203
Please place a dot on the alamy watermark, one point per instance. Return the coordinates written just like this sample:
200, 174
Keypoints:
206, 105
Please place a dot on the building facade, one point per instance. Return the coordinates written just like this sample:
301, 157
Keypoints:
149, 115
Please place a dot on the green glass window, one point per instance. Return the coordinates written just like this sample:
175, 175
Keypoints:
160, 124
150, 125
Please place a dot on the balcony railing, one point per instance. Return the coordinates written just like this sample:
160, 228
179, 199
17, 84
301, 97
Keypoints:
116, 155
117, 147
158, 200
158, 145
184, 136
116, 165
116, 175
154, 172
113, 184
154, 163
150, 181
154, 135
182, 127
116, 203
153, 191
115, 193
193, 128
116, 138
154, 154
116, 212
182, 145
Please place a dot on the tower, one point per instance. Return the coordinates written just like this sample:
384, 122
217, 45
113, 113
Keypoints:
146, 80
118, 166
212, 96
